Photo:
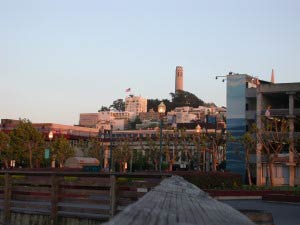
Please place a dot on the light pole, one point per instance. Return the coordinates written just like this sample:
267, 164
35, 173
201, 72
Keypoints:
50, 136
131, 158
110, 149
161, 110
198, 131
224, 77
223, 80
206, 160
101, 153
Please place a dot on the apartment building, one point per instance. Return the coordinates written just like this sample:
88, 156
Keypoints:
135, 104
104, 120
249, 100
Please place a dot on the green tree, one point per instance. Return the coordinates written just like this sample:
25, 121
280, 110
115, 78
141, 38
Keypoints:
132, 124
185, 98
122, 153
27, 142
5, 149
185, 151
273, 137
61, 150
199, 141
217, 143
249, 142
96, 150
167, 150
118, 104
178, 99
153, 151
103, 108
153, 104
139, 161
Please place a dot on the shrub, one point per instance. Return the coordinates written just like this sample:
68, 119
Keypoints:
212, 180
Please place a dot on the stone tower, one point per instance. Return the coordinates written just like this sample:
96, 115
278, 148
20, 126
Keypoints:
179, 78
273, 77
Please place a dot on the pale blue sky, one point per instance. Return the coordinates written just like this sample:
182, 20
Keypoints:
62, 57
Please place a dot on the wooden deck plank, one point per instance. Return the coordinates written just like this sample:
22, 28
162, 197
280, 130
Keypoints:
177, 202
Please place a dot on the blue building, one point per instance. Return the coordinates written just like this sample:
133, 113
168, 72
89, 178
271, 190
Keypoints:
250, 101
241, 113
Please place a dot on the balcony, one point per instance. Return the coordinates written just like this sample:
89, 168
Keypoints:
281, 112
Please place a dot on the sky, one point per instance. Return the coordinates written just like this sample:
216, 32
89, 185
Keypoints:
60, 58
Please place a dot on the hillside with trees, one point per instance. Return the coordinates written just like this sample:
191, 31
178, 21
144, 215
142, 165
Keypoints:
178, 99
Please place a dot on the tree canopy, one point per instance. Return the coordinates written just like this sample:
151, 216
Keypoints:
27, 142
118, 104
178, 99
5, 149
61, 150
185, 98
103, 108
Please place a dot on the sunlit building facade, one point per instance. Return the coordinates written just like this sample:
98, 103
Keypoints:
247, 101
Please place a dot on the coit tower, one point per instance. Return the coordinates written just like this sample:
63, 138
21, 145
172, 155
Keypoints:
179, 78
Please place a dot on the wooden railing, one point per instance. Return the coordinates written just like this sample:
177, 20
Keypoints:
94, 196
281, 112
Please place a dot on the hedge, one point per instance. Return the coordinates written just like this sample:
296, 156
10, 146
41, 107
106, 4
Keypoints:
212, 180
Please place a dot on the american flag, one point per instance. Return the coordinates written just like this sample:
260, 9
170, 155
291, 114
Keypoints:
128, 90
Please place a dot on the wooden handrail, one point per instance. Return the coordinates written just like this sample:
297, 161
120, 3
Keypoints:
90, 174
113, 193
54, 198
7, 197
55, 193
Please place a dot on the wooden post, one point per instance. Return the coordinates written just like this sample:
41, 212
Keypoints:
7, 198
113, 197
54, 199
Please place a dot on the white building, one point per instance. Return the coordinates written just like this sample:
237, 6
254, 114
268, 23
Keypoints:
88, 119
187, 114
104, 119
135, 104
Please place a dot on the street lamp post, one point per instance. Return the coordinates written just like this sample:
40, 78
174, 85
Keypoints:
110, 149
101, 153
50, 136
161, 110
198, 131
205, 152
224, 78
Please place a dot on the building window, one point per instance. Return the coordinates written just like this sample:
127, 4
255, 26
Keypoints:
285, 172
278, 171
